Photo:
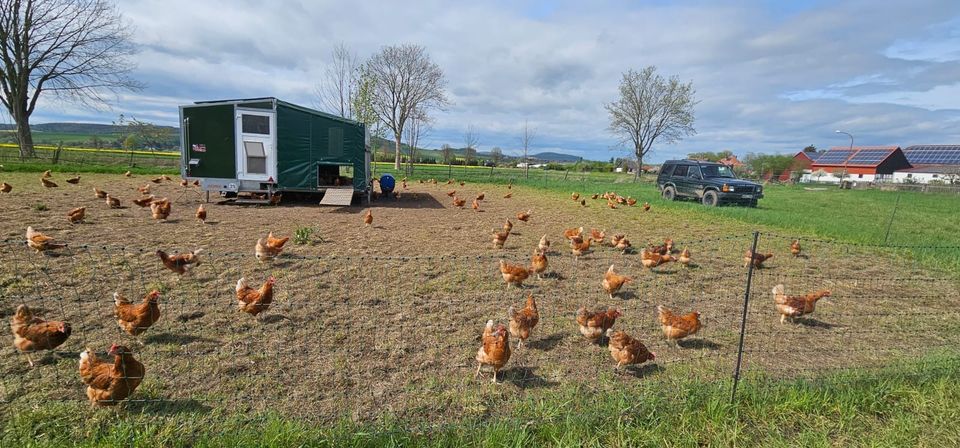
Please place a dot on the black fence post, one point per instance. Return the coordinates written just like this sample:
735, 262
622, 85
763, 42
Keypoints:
886, 238
743, 321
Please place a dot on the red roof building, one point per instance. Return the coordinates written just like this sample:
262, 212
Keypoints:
731, 161
866, 163
801, 161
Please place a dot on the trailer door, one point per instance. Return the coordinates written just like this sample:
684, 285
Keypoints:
256, 145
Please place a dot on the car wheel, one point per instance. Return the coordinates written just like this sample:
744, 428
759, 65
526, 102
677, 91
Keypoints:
710, 198
753, 203
669, 193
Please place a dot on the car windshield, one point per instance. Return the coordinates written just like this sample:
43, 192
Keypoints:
716, 171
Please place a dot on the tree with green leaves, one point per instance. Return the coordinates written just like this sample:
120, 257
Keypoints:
362, 108
768, 164
131, 142
710, 156
651, 108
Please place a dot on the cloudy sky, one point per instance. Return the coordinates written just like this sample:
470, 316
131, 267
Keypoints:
771, 76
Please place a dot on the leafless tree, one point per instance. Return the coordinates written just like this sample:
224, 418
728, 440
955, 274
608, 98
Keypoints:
405, 79
650, 108
76, 50
526, 136
447, 153
471, 142
418, 126
337, 90
496, 155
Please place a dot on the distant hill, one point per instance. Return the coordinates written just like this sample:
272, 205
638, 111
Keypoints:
92, 135
555, 157
78, 128
80, 133
481, 155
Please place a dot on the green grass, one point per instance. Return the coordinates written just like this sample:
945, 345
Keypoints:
903, 405
858, 216
31, 167
855, 216
89, 161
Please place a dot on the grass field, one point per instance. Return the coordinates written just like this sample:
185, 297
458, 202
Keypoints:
904, 405
921, 218
374, 329
85, 160
66, 138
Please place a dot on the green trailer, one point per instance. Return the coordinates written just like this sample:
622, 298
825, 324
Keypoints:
263, 146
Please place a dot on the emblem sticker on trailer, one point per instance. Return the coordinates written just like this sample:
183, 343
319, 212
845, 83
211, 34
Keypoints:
199, 147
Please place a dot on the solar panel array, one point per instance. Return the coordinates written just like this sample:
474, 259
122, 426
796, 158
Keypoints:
933, 155
869, 157
834, 156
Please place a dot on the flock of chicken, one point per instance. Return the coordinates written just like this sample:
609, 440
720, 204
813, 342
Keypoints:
597, 325
111, 382
108, 383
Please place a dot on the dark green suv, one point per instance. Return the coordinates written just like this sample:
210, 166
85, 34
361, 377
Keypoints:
710, 183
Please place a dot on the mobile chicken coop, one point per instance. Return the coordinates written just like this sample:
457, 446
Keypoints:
253, 149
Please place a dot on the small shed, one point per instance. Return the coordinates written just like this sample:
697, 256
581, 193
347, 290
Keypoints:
266, 146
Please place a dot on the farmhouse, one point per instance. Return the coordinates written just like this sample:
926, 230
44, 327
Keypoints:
860, 163
262, 146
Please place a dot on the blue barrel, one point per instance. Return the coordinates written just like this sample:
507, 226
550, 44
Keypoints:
387, 183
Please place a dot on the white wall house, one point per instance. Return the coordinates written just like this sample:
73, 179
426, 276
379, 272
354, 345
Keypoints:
824, 177
531, 165
926, 174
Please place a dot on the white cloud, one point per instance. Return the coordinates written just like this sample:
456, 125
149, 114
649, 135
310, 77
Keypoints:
771, 76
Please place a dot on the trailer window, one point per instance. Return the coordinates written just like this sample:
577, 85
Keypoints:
256, 124
335, 142
256, 157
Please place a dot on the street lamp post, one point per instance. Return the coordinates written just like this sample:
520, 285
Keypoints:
844, 174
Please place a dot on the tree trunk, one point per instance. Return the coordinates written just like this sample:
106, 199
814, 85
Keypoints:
636, 174
396, 142
24, 136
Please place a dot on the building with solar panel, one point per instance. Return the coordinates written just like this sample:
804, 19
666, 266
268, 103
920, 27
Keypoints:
858, 164
930, 163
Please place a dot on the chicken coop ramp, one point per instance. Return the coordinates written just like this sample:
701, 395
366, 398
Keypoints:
337, 196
